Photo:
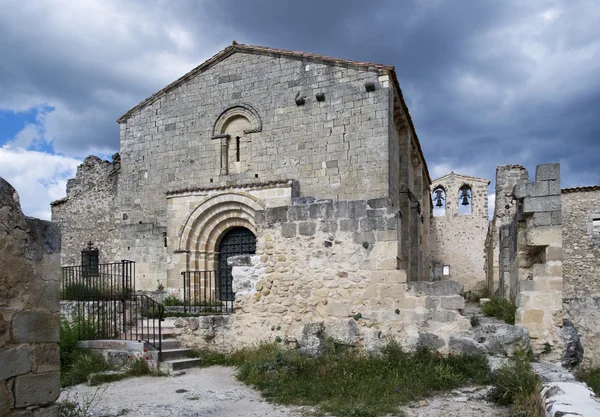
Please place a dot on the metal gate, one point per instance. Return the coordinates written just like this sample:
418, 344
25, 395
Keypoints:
237, 241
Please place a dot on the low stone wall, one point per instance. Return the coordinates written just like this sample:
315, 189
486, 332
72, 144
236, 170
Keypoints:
427, 314
29, 311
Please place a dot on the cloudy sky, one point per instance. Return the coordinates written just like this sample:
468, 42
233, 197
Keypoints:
487, 82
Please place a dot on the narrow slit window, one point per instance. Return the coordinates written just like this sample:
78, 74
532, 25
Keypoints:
237, 149
446, 270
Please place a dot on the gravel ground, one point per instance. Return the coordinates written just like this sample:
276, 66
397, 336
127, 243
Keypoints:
215, 392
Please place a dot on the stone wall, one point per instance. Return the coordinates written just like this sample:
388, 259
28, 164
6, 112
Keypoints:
539, 292
581, 243
89, 211
458, 240
29, 311
332, 265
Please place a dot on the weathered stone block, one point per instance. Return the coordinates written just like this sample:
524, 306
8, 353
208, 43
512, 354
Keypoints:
554, 188
357, 209
288, 230
35, 327
239, 260
36, 389
453, 302
307, 228
535, 204
430, 341
14, 362
50, 411
444, 316
446, 287
556, 217
328, 226
298, 212
6, 400
348, 225
546, 172
322, 210
376, 203
544, 236
542, 219
276, 214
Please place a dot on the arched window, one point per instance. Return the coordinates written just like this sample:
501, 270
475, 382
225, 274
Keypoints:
232, 128
465, 200
439, 202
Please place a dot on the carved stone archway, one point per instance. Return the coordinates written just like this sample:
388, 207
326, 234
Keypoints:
204, 227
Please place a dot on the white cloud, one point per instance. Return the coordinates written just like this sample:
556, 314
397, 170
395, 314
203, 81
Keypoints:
491, 205
38, 177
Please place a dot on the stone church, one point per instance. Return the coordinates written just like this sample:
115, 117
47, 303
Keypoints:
290, 190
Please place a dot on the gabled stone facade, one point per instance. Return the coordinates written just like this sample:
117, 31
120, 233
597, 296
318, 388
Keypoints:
458, 231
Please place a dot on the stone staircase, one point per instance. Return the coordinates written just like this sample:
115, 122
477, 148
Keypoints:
173, 357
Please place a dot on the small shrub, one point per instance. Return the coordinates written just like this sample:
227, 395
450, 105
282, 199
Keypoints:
516, 385
475, 321
547, 348
592, 378
171, 300
501, 309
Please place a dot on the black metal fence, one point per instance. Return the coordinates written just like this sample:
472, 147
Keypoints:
99, 281
106, 305
203, 293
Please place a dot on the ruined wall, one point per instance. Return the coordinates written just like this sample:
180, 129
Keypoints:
505, 209
458, 240
89, 211
29, 311
581, 243
330, 264
539, 290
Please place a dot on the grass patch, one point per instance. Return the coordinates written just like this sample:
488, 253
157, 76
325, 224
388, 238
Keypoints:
212, 358
347, 382
501, 309
517, 386
592, 378
82, 364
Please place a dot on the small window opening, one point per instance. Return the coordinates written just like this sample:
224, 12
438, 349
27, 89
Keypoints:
439, 202
446, 270
237, 149
596, 226
465, 200
90, 260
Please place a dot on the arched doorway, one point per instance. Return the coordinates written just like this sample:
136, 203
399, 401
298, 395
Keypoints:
236, 241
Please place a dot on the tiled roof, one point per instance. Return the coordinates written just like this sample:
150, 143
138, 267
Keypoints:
579, 189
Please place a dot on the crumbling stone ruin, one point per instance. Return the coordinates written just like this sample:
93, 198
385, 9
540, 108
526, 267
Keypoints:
288, 192
29, 311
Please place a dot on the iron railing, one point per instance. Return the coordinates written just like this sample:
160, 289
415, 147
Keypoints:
203, 293
100, 281
106, 305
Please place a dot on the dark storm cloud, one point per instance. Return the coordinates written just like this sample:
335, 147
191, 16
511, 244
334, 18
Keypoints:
487, 82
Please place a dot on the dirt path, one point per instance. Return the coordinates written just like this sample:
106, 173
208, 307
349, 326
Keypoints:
215, 392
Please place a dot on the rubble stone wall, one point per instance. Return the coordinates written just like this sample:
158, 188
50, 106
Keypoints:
582, 267
89, 211
331, 264
29, 311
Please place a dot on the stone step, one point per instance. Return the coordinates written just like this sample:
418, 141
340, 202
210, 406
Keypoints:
171, 354
171, 366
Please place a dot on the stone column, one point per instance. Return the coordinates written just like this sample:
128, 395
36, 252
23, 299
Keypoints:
224, 155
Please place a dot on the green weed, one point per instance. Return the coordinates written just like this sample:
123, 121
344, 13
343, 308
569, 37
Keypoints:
501, 309
591, 377
517, 386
